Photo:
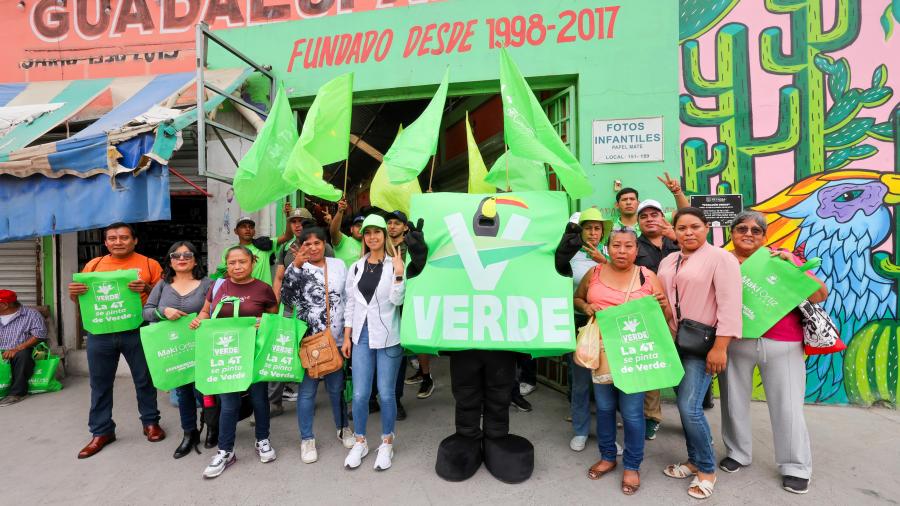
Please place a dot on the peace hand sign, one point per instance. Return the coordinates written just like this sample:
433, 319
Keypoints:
673, 185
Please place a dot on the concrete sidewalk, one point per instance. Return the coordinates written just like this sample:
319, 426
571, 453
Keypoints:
856, 456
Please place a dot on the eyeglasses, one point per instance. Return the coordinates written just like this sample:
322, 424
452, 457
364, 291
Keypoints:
187, 255
744, 229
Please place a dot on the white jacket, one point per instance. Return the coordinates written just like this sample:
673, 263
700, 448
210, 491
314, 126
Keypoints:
382, 313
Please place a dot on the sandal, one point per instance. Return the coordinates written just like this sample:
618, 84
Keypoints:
595, 473
705, 488
678, 471
630, 488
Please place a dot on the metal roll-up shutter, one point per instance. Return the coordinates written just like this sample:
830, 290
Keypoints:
19, 269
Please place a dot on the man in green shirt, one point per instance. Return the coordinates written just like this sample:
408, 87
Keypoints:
262, 247
346, 248
627, 202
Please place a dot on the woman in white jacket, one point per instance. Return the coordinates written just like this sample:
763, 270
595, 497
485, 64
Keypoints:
374, 292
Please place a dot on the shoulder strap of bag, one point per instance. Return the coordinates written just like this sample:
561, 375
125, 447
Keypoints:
94, 268
675, 282
327, 297
235, 301
634, 275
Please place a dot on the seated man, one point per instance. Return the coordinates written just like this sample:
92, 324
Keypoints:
21, 328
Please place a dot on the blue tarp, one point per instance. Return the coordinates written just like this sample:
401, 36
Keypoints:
37, 206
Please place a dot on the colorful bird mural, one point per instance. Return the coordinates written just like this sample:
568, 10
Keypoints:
840, 217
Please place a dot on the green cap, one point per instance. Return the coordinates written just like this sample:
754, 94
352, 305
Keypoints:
373, 220
594, 214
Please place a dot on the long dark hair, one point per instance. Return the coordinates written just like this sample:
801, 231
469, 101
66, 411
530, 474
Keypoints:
169, 273
689, 211
311, 232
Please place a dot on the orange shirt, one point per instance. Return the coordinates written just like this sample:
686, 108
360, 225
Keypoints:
148, 269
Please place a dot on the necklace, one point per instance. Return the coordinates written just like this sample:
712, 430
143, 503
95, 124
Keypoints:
371, 268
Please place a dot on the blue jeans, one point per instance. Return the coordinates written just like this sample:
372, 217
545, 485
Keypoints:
187, 406
580, 387
103, 352
608, 398
690, 394
365, 361
231, 407
306, 402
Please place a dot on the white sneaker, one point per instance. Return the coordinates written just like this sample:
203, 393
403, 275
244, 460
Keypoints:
308, 453
619, 449
578, 443
265, 451
354, 458
385, 454
345, 436
220, 461
525, 389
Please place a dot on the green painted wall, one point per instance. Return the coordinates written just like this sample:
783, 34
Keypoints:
634, 74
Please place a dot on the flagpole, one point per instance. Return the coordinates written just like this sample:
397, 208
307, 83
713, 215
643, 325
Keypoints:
346, 166
506, 153
431, 174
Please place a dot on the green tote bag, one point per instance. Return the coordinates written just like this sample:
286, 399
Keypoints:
109, 305
278, 348
169, 349
639, 346
43, 379
772, 287
225, 349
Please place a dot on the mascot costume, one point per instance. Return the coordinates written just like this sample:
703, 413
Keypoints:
482, 380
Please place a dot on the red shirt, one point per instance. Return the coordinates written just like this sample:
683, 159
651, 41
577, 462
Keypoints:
256, 296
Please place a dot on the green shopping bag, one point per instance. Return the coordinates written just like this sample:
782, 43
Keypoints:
224, 352
109, 305
169, 349
5, 377
278, 348
43, 379
772, 287
639, 346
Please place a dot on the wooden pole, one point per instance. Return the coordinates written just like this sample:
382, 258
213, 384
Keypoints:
431, 175
506, 153
346, 169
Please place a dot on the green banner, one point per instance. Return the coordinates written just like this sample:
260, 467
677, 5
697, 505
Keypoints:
109, 305
639, 346
278, 348
772, 287
169, 349
225, 351
490, 281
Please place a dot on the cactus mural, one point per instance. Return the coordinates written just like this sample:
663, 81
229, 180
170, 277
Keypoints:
791, 104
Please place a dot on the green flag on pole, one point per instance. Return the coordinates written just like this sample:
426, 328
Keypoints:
392, 197
529, 133
258, 180
477, 169
524, 175
414, 146
325, 139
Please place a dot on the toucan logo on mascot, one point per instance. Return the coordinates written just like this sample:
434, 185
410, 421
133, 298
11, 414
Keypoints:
488, 278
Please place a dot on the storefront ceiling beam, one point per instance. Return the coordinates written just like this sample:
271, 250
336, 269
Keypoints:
367, 148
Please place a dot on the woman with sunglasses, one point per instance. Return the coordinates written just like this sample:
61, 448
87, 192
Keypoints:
374, 294
180, 293
782, 367
703, 284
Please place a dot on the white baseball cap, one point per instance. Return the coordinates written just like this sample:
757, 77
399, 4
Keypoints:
649, 203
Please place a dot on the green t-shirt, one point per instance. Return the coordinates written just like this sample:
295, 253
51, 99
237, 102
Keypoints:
262, 270
617, 223
348, 250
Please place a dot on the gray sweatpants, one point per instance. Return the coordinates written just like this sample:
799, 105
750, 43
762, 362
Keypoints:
783, 372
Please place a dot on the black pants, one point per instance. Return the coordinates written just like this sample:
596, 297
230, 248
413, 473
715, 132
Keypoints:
482, 383
527, 369
22, 368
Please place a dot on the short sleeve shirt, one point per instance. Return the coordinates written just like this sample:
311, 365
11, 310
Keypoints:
255, 297
148, 269
348, 250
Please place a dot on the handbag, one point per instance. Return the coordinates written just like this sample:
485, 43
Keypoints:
602, 375
692, 338
319, 353
819, 330
837, 347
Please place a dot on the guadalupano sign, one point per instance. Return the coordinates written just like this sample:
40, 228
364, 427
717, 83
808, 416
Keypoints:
490, 281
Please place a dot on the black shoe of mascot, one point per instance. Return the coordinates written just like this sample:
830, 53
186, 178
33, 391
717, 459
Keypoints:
482, 383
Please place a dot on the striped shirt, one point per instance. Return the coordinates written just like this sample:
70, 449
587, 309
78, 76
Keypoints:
25, 324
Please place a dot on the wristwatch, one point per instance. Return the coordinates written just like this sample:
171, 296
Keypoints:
398, 278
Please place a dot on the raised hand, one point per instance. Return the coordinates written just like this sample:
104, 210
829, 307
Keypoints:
673, 185
416, 248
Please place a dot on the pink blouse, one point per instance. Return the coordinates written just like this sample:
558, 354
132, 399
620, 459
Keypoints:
709, 284
607, 296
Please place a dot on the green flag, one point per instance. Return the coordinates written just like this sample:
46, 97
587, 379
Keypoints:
524, 175
392, 197
477, 170
325, 139
258, 180
529, 133
411, 150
